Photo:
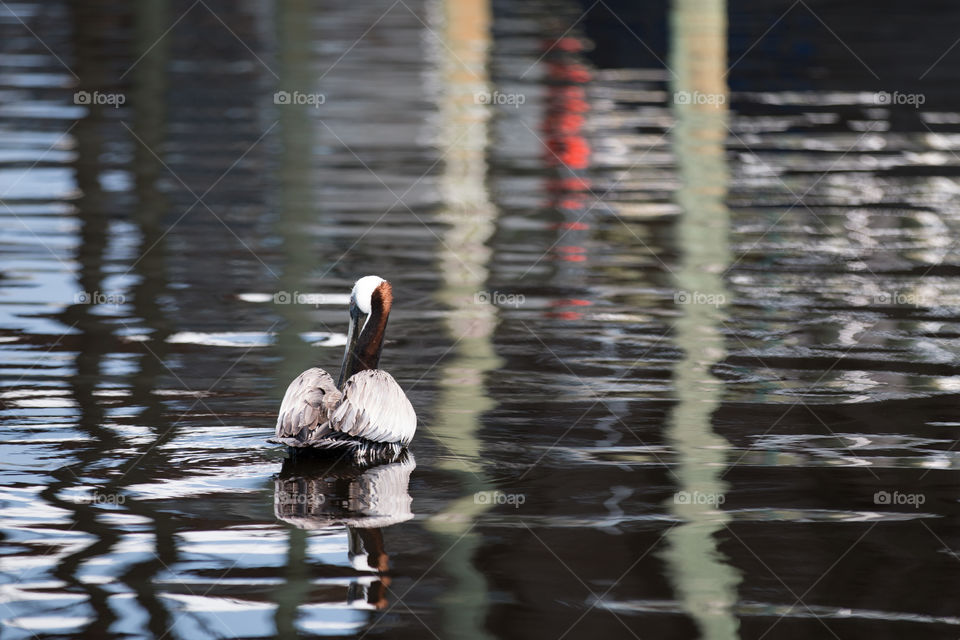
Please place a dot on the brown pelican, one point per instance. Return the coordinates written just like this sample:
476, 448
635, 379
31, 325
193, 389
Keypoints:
365, 413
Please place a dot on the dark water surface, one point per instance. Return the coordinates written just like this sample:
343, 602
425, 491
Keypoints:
678, 305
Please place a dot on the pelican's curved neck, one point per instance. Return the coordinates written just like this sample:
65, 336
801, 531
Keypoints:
365, 337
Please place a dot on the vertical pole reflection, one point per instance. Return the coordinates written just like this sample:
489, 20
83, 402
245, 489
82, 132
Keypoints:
296, 210
92, 209
150, 84
297, 205
470, 219
705, 583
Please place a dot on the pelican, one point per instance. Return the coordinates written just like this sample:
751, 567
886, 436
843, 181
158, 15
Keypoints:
365, 414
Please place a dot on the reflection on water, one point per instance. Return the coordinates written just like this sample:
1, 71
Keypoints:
461, 30
317, 495
684, 368
705, 582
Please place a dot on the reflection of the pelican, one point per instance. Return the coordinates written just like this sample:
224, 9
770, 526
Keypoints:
314, 494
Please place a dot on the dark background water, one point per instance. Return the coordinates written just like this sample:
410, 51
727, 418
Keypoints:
682, 368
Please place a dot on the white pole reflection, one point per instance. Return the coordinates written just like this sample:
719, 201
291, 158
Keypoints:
469, 217
705, 584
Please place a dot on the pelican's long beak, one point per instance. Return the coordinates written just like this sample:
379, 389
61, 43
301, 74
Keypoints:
351, 358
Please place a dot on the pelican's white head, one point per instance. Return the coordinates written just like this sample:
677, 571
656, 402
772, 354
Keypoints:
363, 289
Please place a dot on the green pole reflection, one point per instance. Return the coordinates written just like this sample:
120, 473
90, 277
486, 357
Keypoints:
297, 205
470, 220
295, 212
705, 584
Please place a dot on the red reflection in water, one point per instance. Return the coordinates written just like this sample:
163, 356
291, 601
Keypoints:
565, 185
571, 226
564, 315
567, 302
567, 150
570, 45
566, 104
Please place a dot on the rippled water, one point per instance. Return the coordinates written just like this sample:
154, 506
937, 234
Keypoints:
683, 366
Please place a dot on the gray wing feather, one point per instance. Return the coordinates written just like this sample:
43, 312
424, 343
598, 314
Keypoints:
374, 407
306, 408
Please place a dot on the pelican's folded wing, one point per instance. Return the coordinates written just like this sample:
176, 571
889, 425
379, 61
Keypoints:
374, 407
306, 408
